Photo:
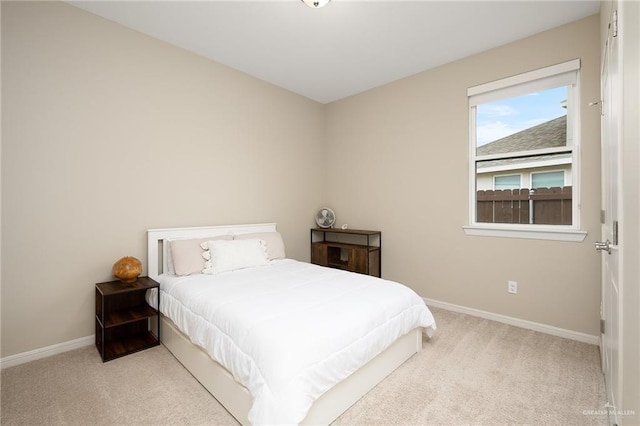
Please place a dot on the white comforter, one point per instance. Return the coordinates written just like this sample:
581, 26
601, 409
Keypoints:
290, 330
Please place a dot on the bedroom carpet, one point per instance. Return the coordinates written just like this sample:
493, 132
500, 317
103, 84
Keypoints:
474, 371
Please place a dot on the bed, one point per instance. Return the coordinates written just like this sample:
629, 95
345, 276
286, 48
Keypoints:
278, 341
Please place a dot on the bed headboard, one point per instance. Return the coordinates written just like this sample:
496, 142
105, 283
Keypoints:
157, 238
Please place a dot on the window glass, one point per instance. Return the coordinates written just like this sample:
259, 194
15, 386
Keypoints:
506, 182
547, 180
529, 122
522, 134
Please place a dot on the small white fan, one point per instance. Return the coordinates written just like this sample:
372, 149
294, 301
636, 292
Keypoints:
325, 218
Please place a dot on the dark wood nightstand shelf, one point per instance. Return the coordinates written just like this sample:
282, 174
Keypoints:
353, 250
123, 318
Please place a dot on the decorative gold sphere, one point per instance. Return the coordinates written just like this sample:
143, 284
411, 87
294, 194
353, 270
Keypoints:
127, 269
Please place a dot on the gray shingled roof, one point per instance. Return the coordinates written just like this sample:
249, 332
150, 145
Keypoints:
550, 134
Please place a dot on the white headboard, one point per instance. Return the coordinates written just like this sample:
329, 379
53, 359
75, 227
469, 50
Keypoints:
157, 238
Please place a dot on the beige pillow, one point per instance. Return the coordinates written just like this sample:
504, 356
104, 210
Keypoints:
273, 240
186, 255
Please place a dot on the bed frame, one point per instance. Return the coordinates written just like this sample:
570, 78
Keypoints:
221, 384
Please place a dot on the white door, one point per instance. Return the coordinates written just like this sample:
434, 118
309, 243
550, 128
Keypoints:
609, 247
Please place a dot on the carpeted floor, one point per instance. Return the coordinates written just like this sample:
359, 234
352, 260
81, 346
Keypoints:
474, 371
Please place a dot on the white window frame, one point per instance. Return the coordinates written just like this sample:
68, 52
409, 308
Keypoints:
564, 74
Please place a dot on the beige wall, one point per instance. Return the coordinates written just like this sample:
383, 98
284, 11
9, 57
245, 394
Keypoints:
106, 133
398, 162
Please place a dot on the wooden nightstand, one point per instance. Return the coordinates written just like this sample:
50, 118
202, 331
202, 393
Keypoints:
353, 250
123, 318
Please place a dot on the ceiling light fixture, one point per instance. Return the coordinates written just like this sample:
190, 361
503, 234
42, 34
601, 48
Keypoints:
315, 4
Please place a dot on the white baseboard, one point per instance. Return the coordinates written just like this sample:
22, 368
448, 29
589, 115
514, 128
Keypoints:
530, 325
13, 360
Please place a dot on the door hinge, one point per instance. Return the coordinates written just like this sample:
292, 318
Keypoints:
614, 30
601, 326
599, 105
602, 216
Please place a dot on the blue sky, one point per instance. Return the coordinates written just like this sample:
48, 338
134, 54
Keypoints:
505, 117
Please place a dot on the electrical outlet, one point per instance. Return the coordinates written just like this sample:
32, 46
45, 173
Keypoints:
513, 287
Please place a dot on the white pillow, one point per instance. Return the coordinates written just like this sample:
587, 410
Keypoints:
227, 256
273, 240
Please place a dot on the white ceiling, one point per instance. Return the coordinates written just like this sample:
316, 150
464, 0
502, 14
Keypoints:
345, 48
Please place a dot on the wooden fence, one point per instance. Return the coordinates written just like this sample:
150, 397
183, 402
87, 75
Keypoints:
551, 206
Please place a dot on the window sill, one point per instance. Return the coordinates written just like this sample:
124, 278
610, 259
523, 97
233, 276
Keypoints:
527, 232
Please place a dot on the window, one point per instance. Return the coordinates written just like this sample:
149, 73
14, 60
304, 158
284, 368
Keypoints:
524, 155
547, 180
506, 182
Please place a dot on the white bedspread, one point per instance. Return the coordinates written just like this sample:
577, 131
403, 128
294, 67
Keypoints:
290, 330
